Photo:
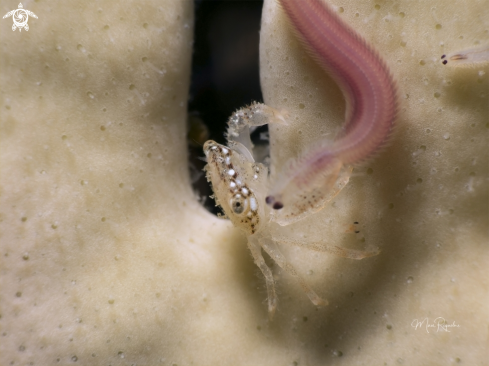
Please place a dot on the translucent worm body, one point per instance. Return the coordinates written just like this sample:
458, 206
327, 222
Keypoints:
467, 58
306, 184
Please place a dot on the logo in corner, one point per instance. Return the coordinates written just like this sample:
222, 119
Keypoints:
20, 17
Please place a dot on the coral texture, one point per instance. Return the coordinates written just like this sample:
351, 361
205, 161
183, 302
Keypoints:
106, 257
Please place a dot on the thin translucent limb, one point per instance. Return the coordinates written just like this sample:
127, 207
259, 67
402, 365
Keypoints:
260, 262
256, 114
341, 252
278, 257
244, 120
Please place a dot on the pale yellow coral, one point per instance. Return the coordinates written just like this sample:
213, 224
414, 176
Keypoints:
107, 258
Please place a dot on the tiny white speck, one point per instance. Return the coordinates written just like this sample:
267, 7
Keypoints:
253, 204
244, 191
228, 160
232, 184
225, 151
231, 172
255, 176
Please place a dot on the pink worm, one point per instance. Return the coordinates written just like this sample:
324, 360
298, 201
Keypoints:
363, 77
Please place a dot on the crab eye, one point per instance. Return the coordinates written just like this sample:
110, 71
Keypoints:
238, 204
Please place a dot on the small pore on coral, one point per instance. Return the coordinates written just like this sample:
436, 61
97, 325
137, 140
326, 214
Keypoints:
337, 353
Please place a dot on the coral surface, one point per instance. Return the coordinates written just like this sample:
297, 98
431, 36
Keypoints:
106, 256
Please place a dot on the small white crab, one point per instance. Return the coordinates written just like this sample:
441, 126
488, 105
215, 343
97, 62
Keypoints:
240, 187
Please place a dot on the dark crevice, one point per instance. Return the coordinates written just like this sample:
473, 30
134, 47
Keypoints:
225, 76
